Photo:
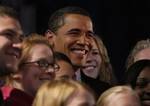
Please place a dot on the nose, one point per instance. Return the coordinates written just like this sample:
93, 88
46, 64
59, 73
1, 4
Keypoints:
50, 70
89, 57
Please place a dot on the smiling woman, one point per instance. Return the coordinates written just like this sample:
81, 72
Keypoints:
97, 71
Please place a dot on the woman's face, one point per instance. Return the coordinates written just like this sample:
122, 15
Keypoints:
143, 86
93, 62
34, 74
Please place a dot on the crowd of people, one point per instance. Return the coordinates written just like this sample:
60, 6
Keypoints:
68, 65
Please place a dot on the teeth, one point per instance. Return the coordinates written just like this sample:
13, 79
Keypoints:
80, 51
90, 67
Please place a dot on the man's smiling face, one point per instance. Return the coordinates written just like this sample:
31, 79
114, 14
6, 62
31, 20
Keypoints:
10, 32
74, 37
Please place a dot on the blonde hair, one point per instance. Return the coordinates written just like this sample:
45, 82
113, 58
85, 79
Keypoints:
140, 45
105, 72
29, 42
57, 92
114, 91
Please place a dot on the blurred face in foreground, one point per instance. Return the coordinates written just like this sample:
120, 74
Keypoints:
81, 98
123, 99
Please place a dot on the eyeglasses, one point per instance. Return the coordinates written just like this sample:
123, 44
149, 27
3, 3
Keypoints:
45, 65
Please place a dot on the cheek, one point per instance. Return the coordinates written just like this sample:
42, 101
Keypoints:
138, 91
4, 43
31, 74
70, 40
61, 44
99, 60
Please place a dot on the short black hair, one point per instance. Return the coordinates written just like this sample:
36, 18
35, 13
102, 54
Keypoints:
134, 70
57, 18
8, 11
60, 56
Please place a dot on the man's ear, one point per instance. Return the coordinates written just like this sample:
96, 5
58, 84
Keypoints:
50, 36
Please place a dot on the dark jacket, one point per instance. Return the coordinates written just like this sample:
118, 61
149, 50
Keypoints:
97, 86
18, 98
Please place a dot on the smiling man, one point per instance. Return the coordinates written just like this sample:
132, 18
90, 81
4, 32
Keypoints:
10, 33
70, 30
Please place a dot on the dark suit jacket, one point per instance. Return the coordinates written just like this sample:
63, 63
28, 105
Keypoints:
97, 86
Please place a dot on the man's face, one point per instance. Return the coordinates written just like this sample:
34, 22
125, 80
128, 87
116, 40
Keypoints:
33, 74
10, 31
73, 38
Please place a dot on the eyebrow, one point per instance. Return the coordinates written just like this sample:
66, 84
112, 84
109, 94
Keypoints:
78, 30
91, 33
74, 30
10, 31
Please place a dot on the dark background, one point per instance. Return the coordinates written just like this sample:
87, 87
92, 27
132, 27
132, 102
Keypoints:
120, 23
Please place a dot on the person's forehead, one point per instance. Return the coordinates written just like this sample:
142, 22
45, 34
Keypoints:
145, 72
7, 22
77, 19
40, 50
